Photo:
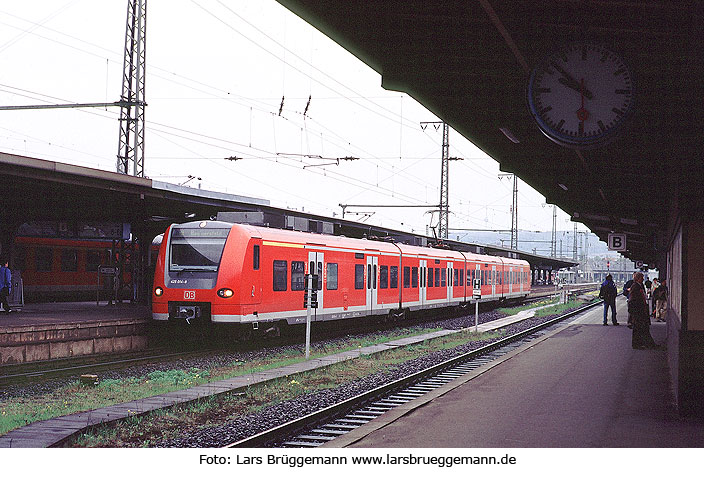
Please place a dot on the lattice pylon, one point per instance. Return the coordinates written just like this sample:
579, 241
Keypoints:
131, 142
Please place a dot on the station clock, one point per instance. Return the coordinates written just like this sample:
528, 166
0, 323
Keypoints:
581, 95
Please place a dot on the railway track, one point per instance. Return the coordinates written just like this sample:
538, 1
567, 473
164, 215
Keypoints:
16, 374
322, 427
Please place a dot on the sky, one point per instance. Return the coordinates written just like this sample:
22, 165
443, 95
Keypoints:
218, 72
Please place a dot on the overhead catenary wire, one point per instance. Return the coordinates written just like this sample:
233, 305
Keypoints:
256, 108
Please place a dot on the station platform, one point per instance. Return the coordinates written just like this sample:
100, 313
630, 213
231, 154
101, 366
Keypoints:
58, 330
581, 386
71, 312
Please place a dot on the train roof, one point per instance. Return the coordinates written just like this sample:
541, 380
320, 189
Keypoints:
362, 245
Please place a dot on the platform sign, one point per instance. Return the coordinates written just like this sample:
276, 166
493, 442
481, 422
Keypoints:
617, 242
108, 270
477, 288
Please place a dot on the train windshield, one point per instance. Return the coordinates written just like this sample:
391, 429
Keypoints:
196, 249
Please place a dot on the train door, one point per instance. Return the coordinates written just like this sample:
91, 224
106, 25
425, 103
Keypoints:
511, 278
316, 265
372, 267
423, 281
450, 282
493, 279
520, 273
256, 271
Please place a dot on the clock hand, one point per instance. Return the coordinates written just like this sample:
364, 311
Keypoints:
569, 83
582, 114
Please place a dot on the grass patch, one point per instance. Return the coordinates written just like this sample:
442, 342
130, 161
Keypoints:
558, 308
514, 310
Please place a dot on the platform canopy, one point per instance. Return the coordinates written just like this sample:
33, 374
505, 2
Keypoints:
469, 63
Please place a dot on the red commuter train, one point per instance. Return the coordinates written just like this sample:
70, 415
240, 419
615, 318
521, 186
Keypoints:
224, 273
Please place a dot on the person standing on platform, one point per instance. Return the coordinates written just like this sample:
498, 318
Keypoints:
626, 291
638, 314
5, 285
660, 297
608, 292
654, 287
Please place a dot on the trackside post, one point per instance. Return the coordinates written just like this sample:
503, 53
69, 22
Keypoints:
310, 302
477, 294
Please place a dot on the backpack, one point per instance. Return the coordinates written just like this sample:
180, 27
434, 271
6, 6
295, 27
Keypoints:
626, 287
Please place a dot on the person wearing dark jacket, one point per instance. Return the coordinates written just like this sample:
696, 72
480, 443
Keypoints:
626, 291
608, 292
638, 313
5, 285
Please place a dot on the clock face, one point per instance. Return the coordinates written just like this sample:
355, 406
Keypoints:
581, 95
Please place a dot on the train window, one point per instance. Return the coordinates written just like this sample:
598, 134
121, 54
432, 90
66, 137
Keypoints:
456, 278
414, 277
383, 277
20, 258
437, 277
92, 260
430, 277
443, 277
43, 257
255, 258
359, 276
280, 275
331, 276
393, 277
298, 269
461, 277
369, 276
196, 249
69, 260
406, 277
320, 272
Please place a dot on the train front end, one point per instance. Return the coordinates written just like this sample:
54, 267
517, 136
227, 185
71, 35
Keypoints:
186, 275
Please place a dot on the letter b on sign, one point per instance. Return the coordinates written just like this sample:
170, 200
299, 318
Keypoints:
617, 242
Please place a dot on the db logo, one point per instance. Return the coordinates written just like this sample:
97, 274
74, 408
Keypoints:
189, 295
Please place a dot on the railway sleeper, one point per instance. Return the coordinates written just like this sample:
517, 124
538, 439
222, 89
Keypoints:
352, 421
410, 395
329, 431
302, 444
360, 416
342, 426
316, 438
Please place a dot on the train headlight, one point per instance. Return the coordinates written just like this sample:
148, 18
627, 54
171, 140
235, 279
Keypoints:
158, 292
226, 293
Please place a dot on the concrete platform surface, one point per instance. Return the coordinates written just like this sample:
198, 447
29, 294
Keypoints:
581, 387
56, 313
